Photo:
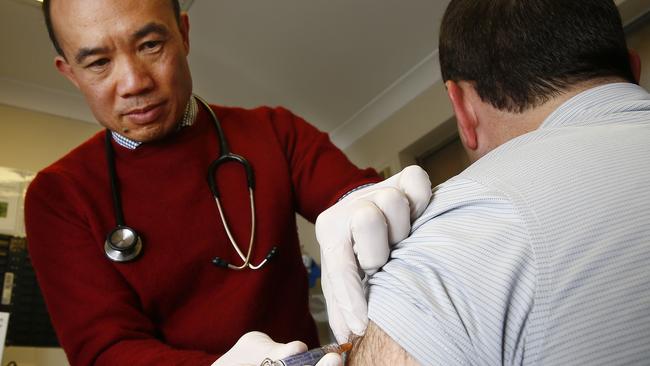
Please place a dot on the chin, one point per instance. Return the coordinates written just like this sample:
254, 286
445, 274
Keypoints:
148, 133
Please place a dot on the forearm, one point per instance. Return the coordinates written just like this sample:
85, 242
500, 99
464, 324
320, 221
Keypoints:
378, 348
321, 174
145, 352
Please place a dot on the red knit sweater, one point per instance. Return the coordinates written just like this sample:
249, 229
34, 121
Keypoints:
172, 306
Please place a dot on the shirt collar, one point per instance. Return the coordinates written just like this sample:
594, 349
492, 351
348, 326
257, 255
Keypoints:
188, 119
588, 106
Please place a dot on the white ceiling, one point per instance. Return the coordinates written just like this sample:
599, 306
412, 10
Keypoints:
343, 65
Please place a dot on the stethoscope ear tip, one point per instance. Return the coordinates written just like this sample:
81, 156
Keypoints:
272, 253
219, 262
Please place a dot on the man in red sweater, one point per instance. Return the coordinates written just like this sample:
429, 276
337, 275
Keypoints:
169, 304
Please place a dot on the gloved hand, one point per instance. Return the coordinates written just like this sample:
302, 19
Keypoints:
365, 223
253, 347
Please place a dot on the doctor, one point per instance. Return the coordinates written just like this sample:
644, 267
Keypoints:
181, 288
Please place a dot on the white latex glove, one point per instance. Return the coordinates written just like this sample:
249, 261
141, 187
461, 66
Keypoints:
361, 228
253, 347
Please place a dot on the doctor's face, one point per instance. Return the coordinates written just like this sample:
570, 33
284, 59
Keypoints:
129, 59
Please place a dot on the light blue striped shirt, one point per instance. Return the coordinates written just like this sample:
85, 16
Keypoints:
537, 254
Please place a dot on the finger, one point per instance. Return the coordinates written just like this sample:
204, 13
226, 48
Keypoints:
345, 286
415, 183
334, 315
251, 348
254, 337
331, 359
369, 235
281, 351
263, 344
395, 207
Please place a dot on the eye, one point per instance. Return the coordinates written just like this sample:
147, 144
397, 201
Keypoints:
98, 64
151, 46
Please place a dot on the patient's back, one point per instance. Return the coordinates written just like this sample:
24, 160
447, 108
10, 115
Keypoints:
539, 253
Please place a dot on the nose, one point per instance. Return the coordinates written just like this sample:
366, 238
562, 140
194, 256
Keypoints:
134, 78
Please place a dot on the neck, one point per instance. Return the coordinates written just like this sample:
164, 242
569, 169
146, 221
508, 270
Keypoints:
502, 126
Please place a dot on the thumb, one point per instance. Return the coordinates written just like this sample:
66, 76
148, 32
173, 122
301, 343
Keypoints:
253, 347
280, 350
331, 359
415, 184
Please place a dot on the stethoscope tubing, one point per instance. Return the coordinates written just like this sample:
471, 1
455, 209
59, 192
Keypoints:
117, 251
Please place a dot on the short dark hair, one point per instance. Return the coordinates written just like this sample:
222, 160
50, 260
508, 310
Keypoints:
520, 53
50, 29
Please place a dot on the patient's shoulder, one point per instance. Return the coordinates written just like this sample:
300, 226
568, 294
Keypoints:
378, 348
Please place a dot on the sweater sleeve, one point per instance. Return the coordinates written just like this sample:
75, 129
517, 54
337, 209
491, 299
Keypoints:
97, 316
320, 172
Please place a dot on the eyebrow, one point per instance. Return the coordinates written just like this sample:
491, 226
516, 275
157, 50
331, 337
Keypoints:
139, 34
88, 51
148, 29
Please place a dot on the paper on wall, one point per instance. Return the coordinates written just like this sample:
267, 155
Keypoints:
13, 184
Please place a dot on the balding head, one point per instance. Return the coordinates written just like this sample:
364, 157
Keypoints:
50, 28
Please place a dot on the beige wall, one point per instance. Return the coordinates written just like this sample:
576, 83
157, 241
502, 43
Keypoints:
407, 133
639, 41
29, 356
31, 140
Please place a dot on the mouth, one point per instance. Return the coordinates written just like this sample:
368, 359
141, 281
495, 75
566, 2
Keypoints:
145, 114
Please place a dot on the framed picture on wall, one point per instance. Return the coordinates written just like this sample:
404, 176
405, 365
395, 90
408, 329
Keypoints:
8, 211
13, 184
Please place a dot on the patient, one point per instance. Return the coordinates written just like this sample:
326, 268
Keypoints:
539, 252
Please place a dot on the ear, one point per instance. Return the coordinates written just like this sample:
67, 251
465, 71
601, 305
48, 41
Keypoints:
185, 31
466, 118
635, 64
65, 69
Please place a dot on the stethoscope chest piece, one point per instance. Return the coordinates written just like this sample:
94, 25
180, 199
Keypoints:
122, 244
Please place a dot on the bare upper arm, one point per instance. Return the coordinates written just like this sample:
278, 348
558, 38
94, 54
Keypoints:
378, 348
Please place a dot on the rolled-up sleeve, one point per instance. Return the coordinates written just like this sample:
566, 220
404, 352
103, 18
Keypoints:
459, 289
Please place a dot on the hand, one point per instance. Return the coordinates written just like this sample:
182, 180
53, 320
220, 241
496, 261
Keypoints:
366, 223
253, 347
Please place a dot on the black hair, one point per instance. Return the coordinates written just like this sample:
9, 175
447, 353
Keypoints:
520, 53
50, 29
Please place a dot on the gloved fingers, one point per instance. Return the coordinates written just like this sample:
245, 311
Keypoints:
370, 234
415, 184
346, 301
252, 340
331, 359
253, 347
280, 350
334, 315
332, 227
395, 207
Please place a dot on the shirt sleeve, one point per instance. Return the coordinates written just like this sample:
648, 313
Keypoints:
96, 314
459, 289
320, 172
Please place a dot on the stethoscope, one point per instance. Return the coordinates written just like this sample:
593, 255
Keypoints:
123, 244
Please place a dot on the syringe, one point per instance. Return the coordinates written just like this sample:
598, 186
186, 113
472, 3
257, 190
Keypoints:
310, 357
